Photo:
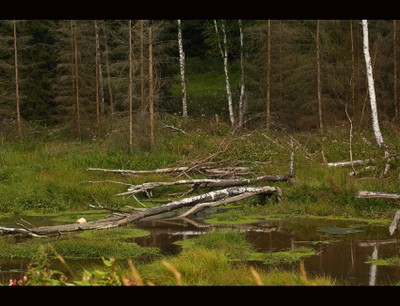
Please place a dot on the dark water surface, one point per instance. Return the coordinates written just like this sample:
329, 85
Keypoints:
343, 247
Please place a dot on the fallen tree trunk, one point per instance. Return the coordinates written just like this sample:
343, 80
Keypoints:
383, 195
350, 163
206, 169
123, 219
203, 183
377, 195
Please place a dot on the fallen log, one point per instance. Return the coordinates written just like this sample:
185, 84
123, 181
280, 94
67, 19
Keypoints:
129, 217
206, 169
376, 195
203, 183
349, 163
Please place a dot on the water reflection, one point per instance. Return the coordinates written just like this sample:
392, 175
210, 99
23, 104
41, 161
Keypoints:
341, 256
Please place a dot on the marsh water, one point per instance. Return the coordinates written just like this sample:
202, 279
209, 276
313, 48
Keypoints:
343, 248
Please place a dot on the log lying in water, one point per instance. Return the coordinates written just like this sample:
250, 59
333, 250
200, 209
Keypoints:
128, 217
383, 195
203, 183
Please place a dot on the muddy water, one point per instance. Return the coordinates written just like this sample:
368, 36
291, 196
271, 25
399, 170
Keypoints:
343, 247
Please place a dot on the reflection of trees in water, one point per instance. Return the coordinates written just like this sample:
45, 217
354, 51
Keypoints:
374, 268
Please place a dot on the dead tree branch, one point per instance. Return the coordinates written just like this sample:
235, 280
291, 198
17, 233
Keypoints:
129, 217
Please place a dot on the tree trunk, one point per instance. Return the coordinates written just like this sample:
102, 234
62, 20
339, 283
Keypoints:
77, 104
97, 78
101, 86
352, 81
224, 54
202, 183
110, 95
151, 87
321, 126
125, 218
396, 106
130, 87
242, 98
371, 87
372, 97
17, 80
268, 74
142, 97
182, 69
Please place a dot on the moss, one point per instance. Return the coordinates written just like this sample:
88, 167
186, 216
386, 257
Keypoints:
119, 233
392, 261
286, 257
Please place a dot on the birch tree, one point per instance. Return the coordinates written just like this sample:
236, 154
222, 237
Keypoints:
17, 80
224, 55
372, 96
182, 69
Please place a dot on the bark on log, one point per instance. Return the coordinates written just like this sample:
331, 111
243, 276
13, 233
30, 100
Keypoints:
206, 170
377, 195
123, 219
349, 163
203, 183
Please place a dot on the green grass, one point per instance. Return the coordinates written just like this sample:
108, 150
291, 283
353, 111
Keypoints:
210, 267
392, 261
86, 245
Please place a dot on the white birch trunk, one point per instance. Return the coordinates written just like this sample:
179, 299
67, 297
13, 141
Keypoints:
242, 102
182, 68
371, 86
224, 54
372, 96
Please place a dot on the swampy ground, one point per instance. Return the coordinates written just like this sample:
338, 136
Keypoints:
45, 182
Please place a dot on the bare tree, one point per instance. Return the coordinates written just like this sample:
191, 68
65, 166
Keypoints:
396, 106
182, 69
321, 126
110, 95
242, 98
76, 81
17, 80
372, 96
97, 78
352, 81
151, 87
268, 74
100, 69
224, 54
130, 87
142, 97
